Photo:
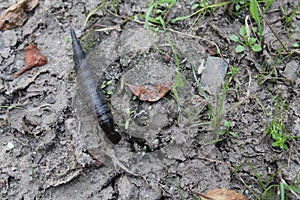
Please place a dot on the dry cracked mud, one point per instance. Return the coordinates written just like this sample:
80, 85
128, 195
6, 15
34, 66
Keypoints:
52, 148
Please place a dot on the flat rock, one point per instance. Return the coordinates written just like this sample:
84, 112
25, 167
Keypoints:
213, 74
292, 70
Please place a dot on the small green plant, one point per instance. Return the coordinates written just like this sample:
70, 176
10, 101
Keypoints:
232, 72
278, 133
128, 118
200, 4
255, 43
296, 45
68, 39
238, 4
237, 8
155, 14
276, 126
104, 86
200, 7
161, 9
246, 41
227, 129
288, 18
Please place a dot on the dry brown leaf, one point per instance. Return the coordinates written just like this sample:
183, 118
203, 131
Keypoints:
15, 15
33, 58
222, 194
152, 92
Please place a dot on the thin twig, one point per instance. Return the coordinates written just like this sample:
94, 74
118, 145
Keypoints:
290, 153
217, 161
117, 162
249, 83
275, 34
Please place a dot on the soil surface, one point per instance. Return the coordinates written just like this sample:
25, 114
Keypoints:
184, 132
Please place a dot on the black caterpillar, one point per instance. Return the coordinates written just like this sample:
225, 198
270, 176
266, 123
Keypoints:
92, 95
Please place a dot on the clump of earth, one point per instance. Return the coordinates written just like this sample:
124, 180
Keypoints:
170, 112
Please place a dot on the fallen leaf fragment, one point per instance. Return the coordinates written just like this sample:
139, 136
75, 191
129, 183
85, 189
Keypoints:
221, 194
150, 93
15, 15
33, 58
150, 79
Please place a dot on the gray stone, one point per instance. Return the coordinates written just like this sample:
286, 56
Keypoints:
292, 70
50, 99
213, 74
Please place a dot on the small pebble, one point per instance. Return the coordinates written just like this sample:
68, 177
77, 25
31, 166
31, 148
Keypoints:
10, 146
50, 99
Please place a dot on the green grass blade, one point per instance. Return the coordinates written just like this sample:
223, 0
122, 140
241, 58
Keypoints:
92, 13
11, 107
266, 8
289, 19
255, 14
200, 10
148, 19
281, 191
